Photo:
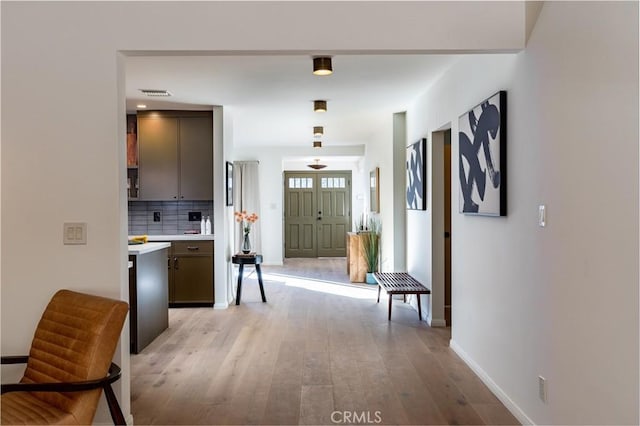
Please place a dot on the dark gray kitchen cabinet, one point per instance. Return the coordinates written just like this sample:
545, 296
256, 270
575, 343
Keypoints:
196, 158
191, 274
175, 155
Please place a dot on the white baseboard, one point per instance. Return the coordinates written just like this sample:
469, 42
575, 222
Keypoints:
493, 387
436, 322
129, 419
223, 305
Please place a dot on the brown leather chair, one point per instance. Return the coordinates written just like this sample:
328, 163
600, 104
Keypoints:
69, 363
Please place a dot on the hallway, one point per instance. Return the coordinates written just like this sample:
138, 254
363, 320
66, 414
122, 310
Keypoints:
316, 353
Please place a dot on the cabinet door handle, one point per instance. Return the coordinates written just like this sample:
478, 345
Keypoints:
175, 262
193, 248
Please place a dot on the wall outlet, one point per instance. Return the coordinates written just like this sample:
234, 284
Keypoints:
542, 389
195, 216
542, 215
156, 216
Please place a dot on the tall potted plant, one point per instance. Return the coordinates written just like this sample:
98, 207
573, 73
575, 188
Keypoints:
371, 247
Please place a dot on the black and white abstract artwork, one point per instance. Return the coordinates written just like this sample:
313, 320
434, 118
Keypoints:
483, 157
417, 175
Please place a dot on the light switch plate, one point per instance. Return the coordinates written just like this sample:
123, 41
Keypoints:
74, 233
542, 215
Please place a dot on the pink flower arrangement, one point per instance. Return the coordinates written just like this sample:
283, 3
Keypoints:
246, 219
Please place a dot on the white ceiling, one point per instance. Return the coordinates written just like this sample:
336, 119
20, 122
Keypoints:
271, 97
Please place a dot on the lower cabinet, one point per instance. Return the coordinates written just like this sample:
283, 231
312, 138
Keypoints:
191, 273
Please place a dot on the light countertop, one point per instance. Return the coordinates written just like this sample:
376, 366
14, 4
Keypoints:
138, 249
180, 237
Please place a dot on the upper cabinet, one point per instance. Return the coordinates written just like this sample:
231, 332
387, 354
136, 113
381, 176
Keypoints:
175, 155
196, 158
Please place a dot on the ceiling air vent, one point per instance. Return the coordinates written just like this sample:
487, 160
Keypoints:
155, 92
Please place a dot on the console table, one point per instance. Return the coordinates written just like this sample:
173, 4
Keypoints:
356, 263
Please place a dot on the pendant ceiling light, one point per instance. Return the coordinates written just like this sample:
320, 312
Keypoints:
322, 66
318, 131
317, 144
317, 165
320, 106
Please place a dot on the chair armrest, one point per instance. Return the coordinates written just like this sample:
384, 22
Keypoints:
17, 359
113, 375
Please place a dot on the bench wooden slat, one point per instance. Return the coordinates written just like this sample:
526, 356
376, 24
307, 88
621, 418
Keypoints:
400, 283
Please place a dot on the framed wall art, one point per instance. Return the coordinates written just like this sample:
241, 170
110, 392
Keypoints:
417, 175
374, 190
229, 176
482, 138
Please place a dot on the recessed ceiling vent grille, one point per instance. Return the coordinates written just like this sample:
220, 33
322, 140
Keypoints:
155, 92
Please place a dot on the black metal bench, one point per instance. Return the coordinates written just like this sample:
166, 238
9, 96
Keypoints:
400, 283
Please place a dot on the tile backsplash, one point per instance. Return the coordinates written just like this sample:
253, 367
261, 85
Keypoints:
174, 216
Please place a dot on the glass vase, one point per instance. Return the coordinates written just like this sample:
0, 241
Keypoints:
246, 244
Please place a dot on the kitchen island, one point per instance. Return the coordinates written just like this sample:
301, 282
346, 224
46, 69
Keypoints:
148, 293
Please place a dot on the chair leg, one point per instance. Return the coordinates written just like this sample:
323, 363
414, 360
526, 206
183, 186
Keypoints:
419, 307
114, 407
379, 288
259, 271
390, 300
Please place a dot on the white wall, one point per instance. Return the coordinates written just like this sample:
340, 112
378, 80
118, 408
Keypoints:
560, 301
380, 153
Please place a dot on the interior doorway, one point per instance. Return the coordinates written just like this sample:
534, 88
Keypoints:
317, 213
447, 226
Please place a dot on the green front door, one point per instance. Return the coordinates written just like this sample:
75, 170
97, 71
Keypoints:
317, 213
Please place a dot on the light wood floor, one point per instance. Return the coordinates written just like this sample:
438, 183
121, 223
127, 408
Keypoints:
312, 350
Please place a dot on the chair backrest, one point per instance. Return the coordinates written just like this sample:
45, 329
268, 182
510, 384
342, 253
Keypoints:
75, 340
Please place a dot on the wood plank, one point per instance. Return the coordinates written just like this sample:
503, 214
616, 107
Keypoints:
302, 356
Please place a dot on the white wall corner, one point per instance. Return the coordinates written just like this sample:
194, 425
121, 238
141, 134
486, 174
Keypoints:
221, 305
531, 12
493, 387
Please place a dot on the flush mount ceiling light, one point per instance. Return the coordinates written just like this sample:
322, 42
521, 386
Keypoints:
141, 106
317, 144
317, 165
155, 92
322, 66
318, 131
320, 106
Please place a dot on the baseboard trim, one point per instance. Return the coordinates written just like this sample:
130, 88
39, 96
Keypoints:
129, 419
493, 387
223, 305
435, 322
